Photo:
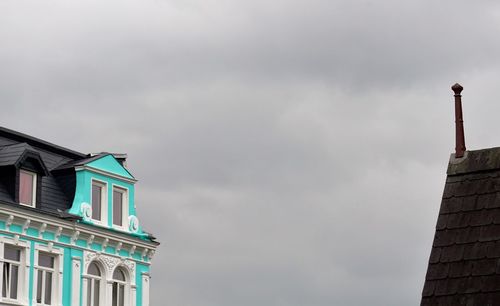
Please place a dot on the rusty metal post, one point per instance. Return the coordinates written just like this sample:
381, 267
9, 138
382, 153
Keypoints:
459, 122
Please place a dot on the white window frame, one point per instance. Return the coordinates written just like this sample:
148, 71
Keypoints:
33, 200
23, 273
57, 277
102, 283
125, 207
127, 296
104, 201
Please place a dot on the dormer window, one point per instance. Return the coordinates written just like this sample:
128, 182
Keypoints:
99, 197
120, 207
27, 188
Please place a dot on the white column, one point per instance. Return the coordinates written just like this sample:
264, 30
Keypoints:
145, 289
133, 295
109, 292
75, 280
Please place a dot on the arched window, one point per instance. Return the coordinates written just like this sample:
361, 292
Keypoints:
119, 288
94, 285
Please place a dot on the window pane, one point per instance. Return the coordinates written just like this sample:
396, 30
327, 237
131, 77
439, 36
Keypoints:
13, 282
12, 253
96, 292
115, 295
26, 188
121, 290
89, 292
5, 276
96, 202
39, 287
94, 270
119, 275
45, 260
117, 207
48, 287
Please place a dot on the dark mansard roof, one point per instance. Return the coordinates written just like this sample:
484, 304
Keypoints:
57, 189
464, 265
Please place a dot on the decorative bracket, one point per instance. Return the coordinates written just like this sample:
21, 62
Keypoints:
118, 247
26, 226
90, 240
105, 244
8, 222
75, 237
58, 233
42, 229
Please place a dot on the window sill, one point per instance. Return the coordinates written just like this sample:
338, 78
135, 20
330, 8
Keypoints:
28, 205
120, 229
11, 302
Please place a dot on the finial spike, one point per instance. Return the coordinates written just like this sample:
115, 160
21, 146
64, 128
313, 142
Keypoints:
459, 122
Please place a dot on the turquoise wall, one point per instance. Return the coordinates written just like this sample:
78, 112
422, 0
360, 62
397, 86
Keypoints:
69, 252
83, 189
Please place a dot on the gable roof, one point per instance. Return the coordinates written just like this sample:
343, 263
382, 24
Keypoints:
464, 265
102, 161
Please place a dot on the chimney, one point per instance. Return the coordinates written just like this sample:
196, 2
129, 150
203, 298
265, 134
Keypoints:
459, 122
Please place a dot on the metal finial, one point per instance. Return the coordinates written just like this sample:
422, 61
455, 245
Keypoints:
457, 88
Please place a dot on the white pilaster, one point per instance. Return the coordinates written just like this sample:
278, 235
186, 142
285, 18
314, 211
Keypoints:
145, 289
75, 277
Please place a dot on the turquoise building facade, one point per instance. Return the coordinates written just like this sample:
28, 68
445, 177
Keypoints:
69, 229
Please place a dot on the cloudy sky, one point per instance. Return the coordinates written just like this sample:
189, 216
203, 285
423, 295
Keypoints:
290, 153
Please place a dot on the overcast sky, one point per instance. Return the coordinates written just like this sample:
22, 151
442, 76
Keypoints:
289, 153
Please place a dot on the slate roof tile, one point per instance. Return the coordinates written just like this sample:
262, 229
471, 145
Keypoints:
491, 283
489, 232
445, 237
470, 203
452, 253
466, 235
460, 269
438, 271
493, 250
442, 222
457, 220
479, 217
495, 215
495, 203
451, 205
474, 251
484, 267
435, 255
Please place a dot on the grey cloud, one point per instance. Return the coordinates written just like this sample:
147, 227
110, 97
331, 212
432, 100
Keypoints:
289, 152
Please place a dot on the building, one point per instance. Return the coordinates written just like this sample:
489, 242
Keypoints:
69, 232
464, 264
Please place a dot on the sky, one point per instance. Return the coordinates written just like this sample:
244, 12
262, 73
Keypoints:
289, 153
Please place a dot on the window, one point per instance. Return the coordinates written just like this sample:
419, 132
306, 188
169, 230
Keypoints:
98, 201
10, 274
120, 207
27, 188
118, 288
46, 277
94, 285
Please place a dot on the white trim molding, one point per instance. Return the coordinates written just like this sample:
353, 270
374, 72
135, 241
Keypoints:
106, 173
